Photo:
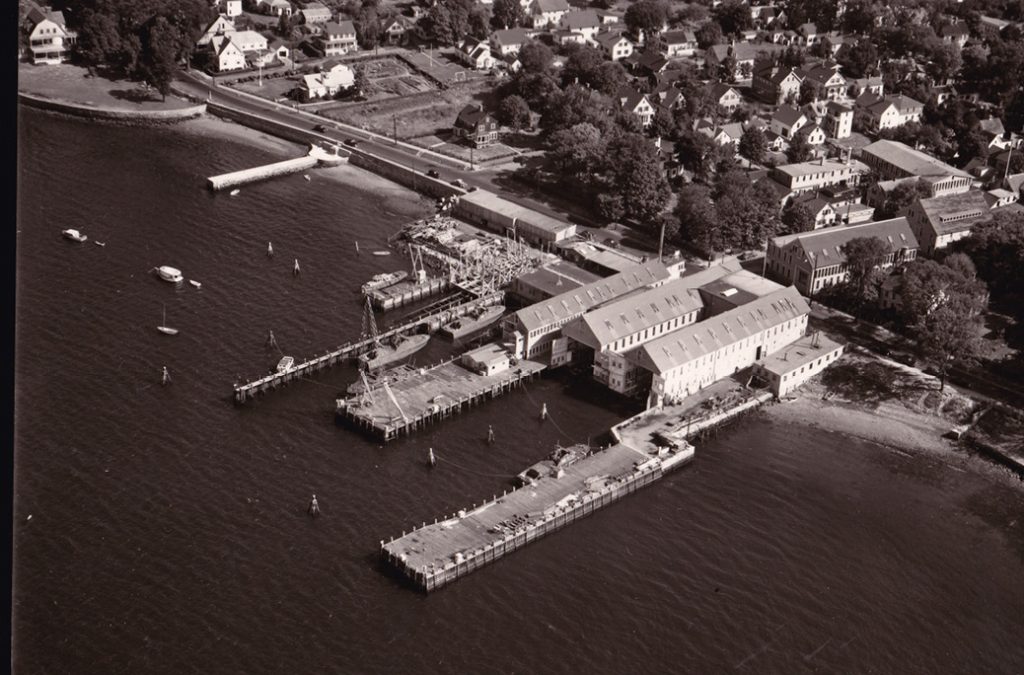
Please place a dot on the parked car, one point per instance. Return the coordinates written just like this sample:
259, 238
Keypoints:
433, 173
351, 142
320, 128
459, 183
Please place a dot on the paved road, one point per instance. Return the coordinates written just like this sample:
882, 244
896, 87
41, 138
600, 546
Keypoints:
421, 159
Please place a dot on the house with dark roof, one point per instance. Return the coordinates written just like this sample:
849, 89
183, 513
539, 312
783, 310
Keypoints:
813, 260
788, 120
838, 121
337, 39
775, 84
509, 41
679, 43
475, 126
744, 53
476, 54
725, 96
826, 79
614, 45
396, 30
638, 103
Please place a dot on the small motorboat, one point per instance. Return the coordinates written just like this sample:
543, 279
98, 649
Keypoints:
164, 328
171, 274
99, 243
306, 176
382, 253
234, 192
195, 283
73, 235
285, 364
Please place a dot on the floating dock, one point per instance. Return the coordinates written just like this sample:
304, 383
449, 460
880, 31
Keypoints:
430, 321
437, 554
406, 292
433, 395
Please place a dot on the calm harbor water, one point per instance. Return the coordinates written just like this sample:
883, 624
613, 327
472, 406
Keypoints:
168, 530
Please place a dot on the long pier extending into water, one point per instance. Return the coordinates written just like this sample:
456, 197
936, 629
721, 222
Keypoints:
315, 157
441, 314
564, 491
428, 397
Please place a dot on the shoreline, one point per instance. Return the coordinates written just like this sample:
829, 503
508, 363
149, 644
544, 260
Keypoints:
110, 114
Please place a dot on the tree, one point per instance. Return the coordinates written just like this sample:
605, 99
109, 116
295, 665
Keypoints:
796, 217
507, 13
809, 92
997, 248
575, 151
863, 256
581, 65
709, 34
697, 153
539, 90
901, 197
633, 177
368, 26
646, 17
753, 144
948, 335
799, 149
284, 25
733, 16
698, 222
535, 57
860, 59
514, 112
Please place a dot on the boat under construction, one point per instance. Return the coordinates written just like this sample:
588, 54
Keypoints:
392, 349
473, 321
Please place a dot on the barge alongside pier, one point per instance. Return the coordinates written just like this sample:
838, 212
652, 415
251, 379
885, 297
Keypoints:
564, 490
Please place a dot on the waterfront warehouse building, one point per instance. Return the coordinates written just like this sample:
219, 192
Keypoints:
536, 330
813, 260
500, 215
794, 364
690, 358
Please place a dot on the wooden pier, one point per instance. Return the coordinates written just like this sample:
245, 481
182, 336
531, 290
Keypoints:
437, 554
406, 292
438, 315
434, 394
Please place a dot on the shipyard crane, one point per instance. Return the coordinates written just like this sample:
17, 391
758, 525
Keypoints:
394, 400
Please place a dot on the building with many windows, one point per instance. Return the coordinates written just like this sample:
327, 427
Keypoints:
813, 260
892, 160
49, 39
939, 221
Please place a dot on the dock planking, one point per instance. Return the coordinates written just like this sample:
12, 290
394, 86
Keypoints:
434, 394
436, 554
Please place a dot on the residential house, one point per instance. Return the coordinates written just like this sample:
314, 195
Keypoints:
396, 30
583, 22
637, 103
679, 43
337, 39
246, 40
743, 53
512, 63
763, 15
690, 358
232, 8
315, 13
49, 39
476, 54
725, 97
536, 330
228, 56
998, 197
822, 209
774, 84
474, 125
788, 120
280, 49
888, 112
218, 28
819, 173
939, 221
865, 85
826, 80
838, 120
814, 134
993, 131
614, 45
275, 7
892, 160
808, 34
334, 78
813, 260
508, 41
956, 33
544, 13
667, 96
649, 64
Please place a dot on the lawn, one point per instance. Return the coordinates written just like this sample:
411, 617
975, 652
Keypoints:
414, 116
74, 84
443, 143
272, 88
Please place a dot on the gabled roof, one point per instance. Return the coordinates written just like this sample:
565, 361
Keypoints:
992, 125
551, 5
36, 16
340, 28
808, 29
706, 337
224, 43
837, 108
781, 74
720, 89
824, 247
470, 116
954, 213
744, 51
678, 37
510, 36
609, 39
788, 115
579, 19
577, 301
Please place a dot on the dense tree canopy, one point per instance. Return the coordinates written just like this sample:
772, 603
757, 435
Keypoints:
997, 248
646, 17
507, 14
514, 112
753, 144
863, 256
535, 57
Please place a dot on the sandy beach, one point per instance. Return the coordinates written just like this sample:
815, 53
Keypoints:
395, 197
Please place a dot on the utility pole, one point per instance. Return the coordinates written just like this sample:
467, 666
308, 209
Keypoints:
471, 158
661, 240
394, 121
